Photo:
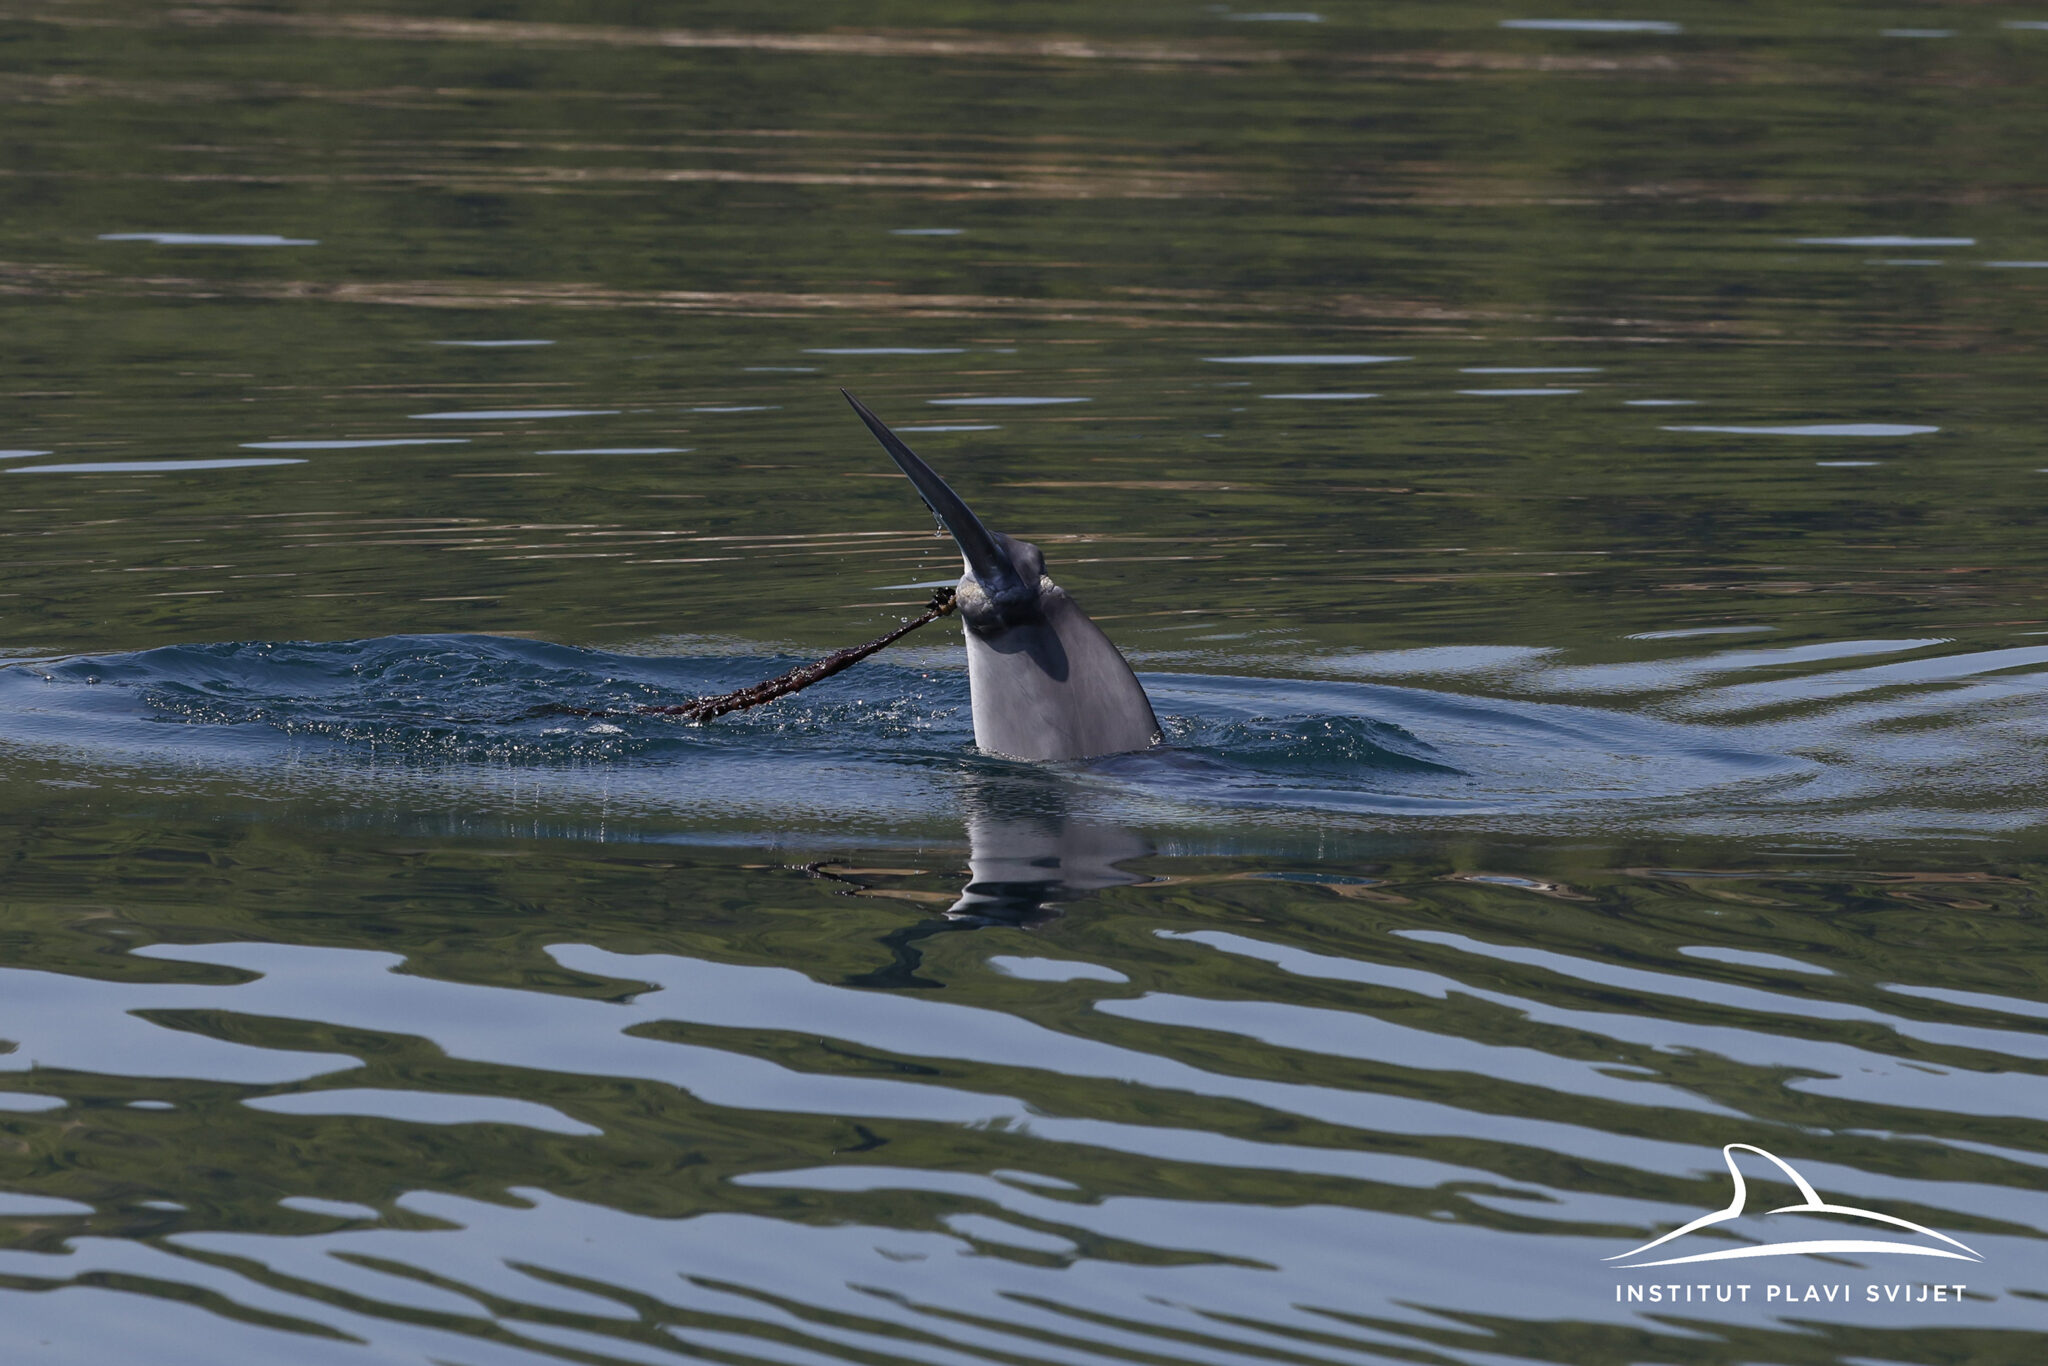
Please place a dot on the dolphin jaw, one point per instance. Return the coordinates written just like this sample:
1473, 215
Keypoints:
987, 614
1016, 600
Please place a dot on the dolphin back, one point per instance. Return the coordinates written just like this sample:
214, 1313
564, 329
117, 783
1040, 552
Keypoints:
1055, 688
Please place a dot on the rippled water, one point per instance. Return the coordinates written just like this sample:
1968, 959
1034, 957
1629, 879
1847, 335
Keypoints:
1570, 482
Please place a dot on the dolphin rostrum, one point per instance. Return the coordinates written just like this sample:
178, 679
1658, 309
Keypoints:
1046, 682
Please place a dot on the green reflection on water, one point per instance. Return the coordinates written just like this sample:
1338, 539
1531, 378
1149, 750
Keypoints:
673, 215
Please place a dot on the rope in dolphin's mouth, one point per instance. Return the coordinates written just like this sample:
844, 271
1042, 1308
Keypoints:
796, 680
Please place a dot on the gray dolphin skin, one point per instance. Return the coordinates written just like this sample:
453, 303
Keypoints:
1047, 684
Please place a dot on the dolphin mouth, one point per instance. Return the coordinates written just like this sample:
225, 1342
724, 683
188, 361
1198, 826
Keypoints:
986, 555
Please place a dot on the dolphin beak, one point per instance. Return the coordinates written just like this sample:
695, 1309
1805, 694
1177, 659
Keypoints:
986, 559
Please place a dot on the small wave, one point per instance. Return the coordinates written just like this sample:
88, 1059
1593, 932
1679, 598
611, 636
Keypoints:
1339, 747
1940, 741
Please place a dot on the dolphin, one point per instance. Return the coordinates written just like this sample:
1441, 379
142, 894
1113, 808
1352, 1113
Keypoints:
1046, 682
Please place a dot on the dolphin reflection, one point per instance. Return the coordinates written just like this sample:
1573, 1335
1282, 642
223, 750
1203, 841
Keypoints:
1027, 858
1046, 683
1021, 867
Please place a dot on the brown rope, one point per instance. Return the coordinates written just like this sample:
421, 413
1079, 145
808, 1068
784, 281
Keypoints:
796, 680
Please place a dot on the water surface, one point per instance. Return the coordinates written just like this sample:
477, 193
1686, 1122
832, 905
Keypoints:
1592, 590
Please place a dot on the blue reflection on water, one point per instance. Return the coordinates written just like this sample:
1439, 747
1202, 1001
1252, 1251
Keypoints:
151, 466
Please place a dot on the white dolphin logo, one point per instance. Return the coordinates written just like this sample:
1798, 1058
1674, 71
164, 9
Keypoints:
1812, 1204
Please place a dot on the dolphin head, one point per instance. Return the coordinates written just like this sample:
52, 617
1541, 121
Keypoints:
1008, 593
1047, 683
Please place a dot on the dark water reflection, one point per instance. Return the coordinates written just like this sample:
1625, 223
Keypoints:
1591, 584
